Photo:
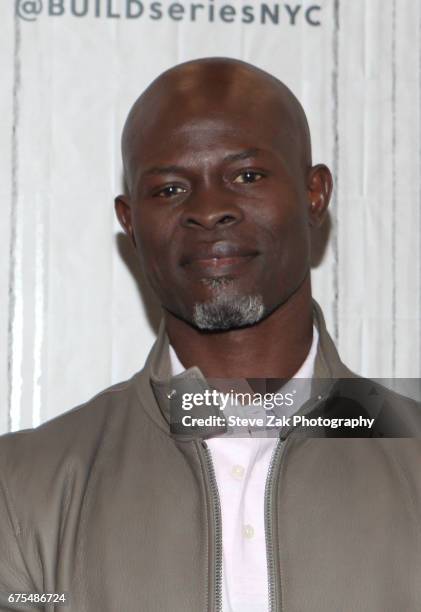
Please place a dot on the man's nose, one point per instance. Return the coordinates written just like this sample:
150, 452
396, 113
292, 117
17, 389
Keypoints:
211, 208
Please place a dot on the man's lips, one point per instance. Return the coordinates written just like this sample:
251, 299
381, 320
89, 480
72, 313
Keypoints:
217, 257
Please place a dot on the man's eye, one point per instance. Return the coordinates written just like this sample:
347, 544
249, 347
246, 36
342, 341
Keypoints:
170, 191
249, 176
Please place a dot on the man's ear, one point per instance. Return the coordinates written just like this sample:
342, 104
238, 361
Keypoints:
124, 215
319, 189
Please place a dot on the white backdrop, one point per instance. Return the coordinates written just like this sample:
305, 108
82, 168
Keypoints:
72, 317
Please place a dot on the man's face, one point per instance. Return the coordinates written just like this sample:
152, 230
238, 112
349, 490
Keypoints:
219, 208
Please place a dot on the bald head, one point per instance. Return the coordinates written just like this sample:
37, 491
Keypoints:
208, 88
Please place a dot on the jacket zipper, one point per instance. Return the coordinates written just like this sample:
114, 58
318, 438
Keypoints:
216, 506
269, 502
274, 467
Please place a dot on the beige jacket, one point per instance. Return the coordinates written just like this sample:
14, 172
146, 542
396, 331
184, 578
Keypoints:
106, 504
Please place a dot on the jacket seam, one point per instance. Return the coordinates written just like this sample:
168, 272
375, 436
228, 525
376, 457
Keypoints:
408, 488
99, 459
207, 527
117, 388
142, 403
15, 529
64, 511
282, 468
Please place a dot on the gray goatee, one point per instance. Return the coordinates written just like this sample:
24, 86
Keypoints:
227, 310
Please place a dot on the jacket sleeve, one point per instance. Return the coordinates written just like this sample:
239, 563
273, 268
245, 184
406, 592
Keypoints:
14, 575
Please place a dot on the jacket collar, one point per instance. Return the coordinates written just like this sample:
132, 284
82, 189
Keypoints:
156, 385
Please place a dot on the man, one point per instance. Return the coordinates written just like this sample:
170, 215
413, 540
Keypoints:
120, 507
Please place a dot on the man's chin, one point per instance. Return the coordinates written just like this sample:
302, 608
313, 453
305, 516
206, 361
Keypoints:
226, 311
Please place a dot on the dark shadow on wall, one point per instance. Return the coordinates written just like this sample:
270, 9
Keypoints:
319, 241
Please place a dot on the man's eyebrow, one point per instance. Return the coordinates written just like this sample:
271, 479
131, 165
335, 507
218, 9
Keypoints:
177, 169
163, 170
243, 155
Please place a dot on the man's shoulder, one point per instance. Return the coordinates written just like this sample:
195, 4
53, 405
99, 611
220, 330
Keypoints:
395, 414
74, 434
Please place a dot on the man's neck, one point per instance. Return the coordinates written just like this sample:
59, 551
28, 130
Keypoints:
274, 348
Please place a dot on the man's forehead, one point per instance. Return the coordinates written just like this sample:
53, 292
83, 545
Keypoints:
207, 99
237, 125
214, 94
210, 141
